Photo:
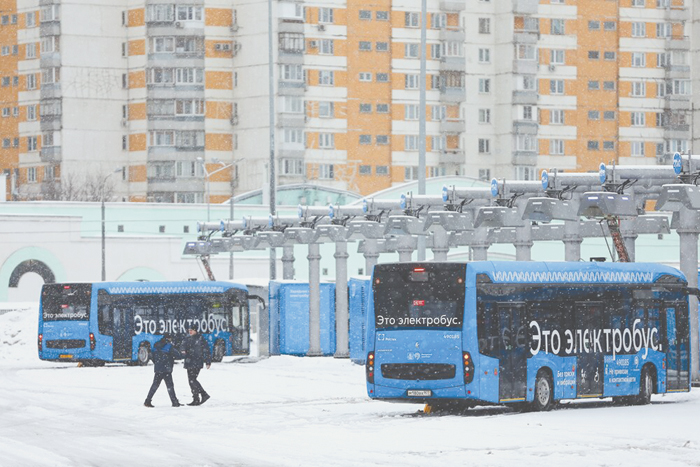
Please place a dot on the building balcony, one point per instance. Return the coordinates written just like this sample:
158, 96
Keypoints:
525, 7
452, 64
525, 67
526, 36
452, 156
677, 102
453, 125
678, 43
50, 154
452, 34
678, 14
51, 91
525, 127
525, 97
291, 88
50, 28
290, 26
289, 120
291, 57
524, 158
452, 94
51, 123
453, 5
677, 132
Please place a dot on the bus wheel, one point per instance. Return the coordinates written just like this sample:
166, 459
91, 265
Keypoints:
544, 395
646, 387
219, 351
144, 354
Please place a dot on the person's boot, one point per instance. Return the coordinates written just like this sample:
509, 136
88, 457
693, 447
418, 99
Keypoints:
177, 404
195, 400
205, 397
147, 404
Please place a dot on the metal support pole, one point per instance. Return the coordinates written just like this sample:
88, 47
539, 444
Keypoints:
371, 255
314, 258
288, 262
104, 268
572, 241
523, 246
688, 233
273, 188
422, 116
342, 314
230, 255
441, 242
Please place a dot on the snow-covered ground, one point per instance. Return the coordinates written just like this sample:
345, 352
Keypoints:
287, 411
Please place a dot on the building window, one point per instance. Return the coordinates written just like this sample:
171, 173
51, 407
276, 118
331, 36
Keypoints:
663, 30
610, 25
365, 15
382, 108
326, 47
411, 50
593, 55
411, 143
639, 59
639, 29
438, 143
608, 145
594, 85
325, 78
365, 170
410, 173
556, 86
381, 47
326, 109
484, 55
292, 166
593, 145
638, 119
412, 81
525, 173
411, 19
365, 140
594, 25
382, 77
32, 143
291, 42
639, 88
593, 115
556, 146
526, 52
609, 115
326, 172
381, 15
485, 174
189, 13
484, 85
31, 175
292, 73
484, 115
294, 136
484, 25
366, 46
30, 19
31, 113
557, 27
608, 85
525, 143
637, 149
381, 170
556, 117
639, 3
382, 140
326, 140
438, 20
527, 112
556, 57
366, 77
484, 146
410, 112
609, 55
325, 15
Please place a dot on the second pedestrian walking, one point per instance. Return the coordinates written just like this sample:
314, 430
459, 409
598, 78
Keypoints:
196, 355
164, 355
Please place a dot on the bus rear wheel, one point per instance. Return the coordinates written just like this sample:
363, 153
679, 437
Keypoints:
144, 354
544, 394
219, 351
646, 387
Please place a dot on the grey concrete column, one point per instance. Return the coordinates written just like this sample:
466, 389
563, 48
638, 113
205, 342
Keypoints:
480, 247
405, 246
630, 240
688, 233
342, 315
288, 262
572, 241
314, 258
441, 244
371, 255
523, 244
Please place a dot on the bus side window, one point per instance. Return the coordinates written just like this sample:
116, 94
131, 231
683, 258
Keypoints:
104, 320
236, 321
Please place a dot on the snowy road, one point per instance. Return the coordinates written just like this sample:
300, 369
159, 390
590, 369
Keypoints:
288, 411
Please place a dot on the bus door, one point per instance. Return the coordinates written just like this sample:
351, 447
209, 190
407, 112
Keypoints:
513, 343
677, 342
590, 362
122, 332
240, 325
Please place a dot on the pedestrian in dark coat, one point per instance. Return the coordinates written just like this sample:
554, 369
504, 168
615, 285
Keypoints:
196, 355
164, 355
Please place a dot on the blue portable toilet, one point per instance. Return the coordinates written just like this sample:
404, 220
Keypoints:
289, 318
358, 294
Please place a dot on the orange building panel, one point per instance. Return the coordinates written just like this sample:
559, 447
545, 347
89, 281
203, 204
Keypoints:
218, 80
137, 17
218, 17
137, 142
218, 142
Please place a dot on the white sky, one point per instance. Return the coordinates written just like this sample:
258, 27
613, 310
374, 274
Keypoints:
289, 411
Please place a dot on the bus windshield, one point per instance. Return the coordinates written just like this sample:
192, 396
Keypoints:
66, 302
411, 296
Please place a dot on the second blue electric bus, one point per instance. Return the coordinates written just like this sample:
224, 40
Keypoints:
527, 333
100, 322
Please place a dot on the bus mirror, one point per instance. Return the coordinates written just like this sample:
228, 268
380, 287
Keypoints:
259, 298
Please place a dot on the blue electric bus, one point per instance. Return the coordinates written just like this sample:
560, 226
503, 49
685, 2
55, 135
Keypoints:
526, 333
100, 322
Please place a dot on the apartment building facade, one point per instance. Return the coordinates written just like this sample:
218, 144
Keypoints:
174, 95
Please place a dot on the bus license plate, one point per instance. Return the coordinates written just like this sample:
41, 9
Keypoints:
419, 393
65, 356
